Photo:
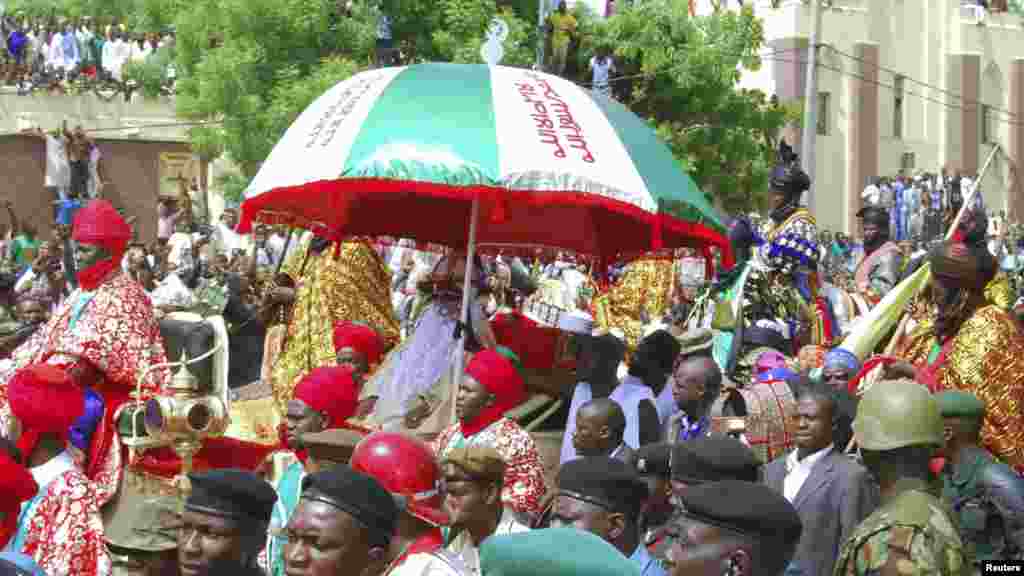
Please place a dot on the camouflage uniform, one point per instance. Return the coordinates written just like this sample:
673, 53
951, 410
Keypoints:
988, 505
910, 534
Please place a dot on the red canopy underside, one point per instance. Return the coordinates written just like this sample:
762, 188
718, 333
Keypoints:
439, 213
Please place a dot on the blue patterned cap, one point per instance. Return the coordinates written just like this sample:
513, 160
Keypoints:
841, 358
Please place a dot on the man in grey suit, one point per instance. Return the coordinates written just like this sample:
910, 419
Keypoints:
830, 492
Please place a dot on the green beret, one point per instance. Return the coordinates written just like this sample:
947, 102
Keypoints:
753, 510
713, 458
606, 482
553, 552
653, 459
958, 404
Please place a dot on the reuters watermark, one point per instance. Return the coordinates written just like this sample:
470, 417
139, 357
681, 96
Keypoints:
1002, 567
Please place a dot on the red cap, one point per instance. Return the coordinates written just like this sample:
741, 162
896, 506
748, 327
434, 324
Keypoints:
405, 467
360, 338
45, 399
100, 224
330, 390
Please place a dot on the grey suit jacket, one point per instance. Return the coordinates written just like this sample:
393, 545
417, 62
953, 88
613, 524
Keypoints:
836, 496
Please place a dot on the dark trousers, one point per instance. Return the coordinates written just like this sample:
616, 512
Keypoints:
79, 178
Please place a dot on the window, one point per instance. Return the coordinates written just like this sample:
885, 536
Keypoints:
824, 113
897, 108
907, 162
986, 124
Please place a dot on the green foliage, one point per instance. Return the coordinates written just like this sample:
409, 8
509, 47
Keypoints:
687, 74
151, 73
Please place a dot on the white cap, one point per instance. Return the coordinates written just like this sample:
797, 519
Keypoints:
577, 322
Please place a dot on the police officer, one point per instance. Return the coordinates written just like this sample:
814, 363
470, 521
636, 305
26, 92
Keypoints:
712, 459
734, 528
986, 496
898, 427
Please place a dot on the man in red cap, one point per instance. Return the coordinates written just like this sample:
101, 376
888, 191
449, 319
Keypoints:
359, 348
102, 334
493, 384
325, 398
406, 468
60, 527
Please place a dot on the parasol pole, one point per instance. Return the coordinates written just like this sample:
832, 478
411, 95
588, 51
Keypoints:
460, 352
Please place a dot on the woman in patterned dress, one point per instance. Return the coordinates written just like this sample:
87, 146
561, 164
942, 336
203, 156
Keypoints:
492, 385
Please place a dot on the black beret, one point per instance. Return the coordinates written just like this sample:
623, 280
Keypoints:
604, 481
233, 494
874, 215
357, 495
712, 459
751, 509
761, 336
653, 459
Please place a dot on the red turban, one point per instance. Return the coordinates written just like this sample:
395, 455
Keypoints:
16, 486
360, 338
498, 374
330, 390
99, 224
45, 400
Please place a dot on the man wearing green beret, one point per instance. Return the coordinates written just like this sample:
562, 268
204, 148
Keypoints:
553, 552
986, 496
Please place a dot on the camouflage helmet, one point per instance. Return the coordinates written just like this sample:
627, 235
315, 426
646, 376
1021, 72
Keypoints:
895, 414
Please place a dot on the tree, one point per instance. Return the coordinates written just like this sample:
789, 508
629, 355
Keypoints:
687, 70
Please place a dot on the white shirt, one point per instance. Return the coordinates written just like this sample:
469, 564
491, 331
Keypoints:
462, 545
602, 70
797, 471
171, 291
436, 563
228, 240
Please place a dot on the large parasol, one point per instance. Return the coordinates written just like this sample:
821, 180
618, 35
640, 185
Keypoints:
457, 154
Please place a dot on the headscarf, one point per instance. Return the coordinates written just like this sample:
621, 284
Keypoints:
840, 358
497, 370
332, 391
768, 361
16, 486
956, 265
46, 400
360, 338
99, 224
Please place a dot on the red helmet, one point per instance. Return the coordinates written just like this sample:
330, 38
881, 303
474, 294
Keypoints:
405, 467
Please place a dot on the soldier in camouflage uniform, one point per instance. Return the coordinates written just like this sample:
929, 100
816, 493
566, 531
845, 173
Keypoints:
986, 496
897, 428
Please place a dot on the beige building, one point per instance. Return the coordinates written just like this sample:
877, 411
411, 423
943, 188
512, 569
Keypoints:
903, 84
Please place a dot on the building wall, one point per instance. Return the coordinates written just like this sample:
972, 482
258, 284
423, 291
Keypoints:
961, 64
132, 167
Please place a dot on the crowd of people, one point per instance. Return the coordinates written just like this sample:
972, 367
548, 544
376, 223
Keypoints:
64, 49
358, 444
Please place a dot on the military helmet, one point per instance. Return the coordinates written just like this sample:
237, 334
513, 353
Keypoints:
897, 413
